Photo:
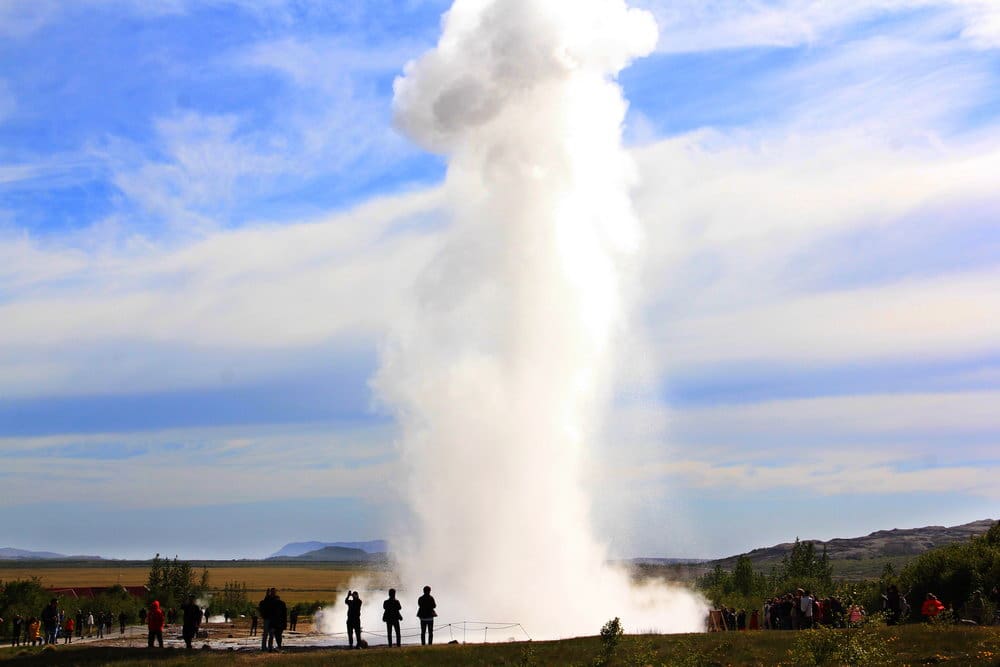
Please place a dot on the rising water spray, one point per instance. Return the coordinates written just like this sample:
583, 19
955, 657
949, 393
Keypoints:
500, 373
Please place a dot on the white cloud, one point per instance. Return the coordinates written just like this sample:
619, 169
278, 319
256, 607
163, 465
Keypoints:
300, 461
700, 25
263, 288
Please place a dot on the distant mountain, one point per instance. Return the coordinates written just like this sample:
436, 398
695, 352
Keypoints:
335, 555
898, 542
667, 561
10, 553
300, 548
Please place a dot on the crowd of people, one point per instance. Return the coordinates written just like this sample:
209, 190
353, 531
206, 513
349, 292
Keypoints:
54, 623
801, 610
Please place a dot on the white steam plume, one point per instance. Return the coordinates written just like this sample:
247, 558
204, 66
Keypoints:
501, 374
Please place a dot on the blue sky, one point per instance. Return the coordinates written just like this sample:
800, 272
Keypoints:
208, 223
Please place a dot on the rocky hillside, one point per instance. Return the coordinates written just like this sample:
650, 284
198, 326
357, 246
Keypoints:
895, 543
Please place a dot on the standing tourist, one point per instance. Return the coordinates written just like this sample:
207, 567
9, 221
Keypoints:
279, 620
192, 619
353, 603
426, 614
392, 615
155, 621
50, 621
264, 607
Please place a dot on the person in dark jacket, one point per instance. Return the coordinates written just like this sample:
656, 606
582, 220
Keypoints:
155, 620
18, 624
353, 603
264, 608
192, 619
426, 614
392, 615
253, 623
279, 621
50, 620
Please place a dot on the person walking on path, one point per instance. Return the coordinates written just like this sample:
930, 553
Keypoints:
192, 619
264, 607
122, 618
353, 603
293, 619
392, 615
155, 621
70, 626
426, 614
253, 623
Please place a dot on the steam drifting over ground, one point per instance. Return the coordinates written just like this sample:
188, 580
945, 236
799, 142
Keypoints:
501, 373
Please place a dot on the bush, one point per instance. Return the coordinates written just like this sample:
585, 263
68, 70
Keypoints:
863, 645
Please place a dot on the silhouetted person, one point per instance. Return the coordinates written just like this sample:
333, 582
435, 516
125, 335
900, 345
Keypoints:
206, 614
353, 603
253, 623
18, 623
122, 619
392, 615
50, 620
279, 620
155, 621
426, 614
192, 619
293, 619
142, 616
264, 607
893, 604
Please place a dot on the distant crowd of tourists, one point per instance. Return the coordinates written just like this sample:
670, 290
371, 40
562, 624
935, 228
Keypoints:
53, 624
801, 610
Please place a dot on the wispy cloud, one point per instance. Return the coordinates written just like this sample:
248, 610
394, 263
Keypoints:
696, 25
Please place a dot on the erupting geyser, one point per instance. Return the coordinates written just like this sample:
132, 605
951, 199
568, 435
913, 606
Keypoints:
501, 372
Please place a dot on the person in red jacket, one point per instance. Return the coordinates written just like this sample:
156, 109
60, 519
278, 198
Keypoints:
931, 607
155, 621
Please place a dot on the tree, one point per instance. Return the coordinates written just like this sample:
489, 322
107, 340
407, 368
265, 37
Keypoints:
745, 580
171, 582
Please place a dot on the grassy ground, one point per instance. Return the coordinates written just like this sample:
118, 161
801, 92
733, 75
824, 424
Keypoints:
910, 645
296, 582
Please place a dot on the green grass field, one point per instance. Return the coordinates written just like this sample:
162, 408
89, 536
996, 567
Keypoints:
909, 645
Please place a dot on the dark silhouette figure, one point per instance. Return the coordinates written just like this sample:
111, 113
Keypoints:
142, 616
206, 614
426, 614
353, 603
893, 604
265, 608
293, 619
392, 615
155, 621
279, 621
18, 623
122, 619
192, 619
50, 620
253, 623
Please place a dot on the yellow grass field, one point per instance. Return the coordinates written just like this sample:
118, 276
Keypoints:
296, 583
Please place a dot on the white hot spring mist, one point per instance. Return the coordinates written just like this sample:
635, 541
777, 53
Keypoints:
502, 370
